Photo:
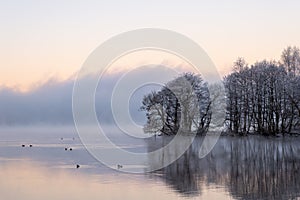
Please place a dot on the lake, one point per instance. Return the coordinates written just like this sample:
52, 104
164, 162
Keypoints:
250, 167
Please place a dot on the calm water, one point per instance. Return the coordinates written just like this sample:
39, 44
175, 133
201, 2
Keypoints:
237, 168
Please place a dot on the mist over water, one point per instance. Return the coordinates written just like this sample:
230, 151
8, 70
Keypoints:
251, 167
51, 103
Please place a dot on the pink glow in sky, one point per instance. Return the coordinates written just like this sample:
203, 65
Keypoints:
43, 39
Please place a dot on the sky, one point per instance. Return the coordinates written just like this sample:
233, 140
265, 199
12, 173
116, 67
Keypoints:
51, 39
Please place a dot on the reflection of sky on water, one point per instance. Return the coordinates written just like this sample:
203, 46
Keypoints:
28, 180
47, 171
248, 168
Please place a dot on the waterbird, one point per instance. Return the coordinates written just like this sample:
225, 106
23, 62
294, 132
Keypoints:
77, 166
119, 166
30, 145
23, 145
66, 148
71, 149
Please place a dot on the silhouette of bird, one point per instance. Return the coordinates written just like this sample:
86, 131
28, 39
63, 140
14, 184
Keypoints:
66, 149
23, 145
71, 149
77, 166
119, 166
30, 145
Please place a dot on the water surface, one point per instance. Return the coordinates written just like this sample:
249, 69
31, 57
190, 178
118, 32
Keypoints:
238, 168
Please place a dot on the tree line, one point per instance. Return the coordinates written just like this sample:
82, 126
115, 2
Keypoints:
265, 97
262, 98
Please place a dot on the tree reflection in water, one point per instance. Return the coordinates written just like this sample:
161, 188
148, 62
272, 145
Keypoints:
251, 167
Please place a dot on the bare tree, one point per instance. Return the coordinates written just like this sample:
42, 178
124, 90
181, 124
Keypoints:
182, 103
291, 59
265, 97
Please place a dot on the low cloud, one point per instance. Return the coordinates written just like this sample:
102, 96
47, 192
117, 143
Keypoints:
51, 103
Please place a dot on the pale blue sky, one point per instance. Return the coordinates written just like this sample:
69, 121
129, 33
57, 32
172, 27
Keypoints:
53, 38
